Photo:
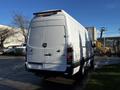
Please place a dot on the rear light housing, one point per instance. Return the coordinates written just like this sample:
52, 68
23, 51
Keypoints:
69, 55
29, 53
29, 50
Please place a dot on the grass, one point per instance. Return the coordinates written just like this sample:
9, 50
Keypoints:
106, 78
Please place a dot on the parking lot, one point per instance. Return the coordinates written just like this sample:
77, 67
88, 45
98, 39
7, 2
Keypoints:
13, 76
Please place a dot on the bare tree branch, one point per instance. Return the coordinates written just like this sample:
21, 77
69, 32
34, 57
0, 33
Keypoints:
20, 21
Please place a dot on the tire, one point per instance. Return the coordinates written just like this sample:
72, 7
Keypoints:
83, 71
109, 53
92, 65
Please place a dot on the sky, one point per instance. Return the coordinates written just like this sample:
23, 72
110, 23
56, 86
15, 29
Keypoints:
98, 13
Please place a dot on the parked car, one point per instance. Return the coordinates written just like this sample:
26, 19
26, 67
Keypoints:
9, 50
21, 50
15, 50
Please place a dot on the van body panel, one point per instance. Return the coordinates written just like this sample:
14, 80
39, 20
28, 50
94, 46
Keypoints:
48, 23
36, 56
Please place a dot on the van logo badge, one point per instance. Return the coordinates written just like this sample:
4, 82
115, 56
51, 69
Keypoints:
44, 45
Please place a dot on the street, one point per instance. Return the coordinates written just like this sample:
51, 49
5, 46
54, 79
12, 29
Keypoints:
14, 77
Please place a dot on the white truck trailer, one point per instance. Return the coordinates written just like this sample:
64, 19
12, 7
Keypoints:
57, 45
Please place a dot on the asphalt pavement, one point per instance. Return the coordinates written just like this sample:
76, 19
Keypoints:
13, 76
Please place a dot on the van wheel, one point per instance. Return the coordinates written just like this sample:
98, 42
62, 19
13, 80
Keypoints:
84, 70
82, 73
92, 66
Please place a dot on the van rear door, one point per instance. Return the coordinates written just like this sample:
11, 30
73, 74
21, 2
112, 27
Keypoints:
35, 50
54, 52
48, 47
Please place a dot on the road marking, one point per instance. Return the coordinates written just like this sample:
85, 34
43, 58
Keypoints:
18, 85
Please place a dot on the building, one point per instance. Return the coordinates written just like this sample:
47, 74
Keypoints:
16, 38
92, 33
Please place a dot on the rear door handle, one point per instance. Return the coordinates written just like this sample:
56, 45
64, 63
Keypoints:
47, 54
58, 51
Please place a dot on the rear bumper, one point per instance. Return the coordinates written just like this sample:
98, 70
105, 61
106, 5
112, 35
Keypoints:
46, 73
68, 72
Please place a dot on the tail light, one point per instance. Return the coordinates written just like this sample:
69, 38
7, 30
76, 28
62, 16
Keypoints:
26, 54
69, 55
29, 51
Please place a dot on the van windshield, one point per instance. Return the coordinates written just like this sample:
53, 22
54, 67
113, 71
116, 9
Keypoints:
52, 35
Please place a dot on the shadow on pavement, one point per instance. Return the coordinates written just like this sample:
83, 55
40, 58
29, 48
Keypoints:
77, 85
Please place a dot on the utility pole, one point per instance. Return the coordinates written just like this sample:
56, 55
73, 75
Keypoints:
101, 34
101, 31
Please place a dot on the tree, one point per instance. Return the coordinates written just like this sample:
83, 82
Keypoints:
3, 35
20, 21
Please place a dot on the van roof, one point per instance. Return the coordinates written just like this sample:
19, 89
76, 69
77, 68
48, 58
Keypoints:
48, 11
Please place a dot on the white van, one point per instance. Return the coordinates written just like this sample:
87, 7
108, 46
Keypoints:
57, 45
